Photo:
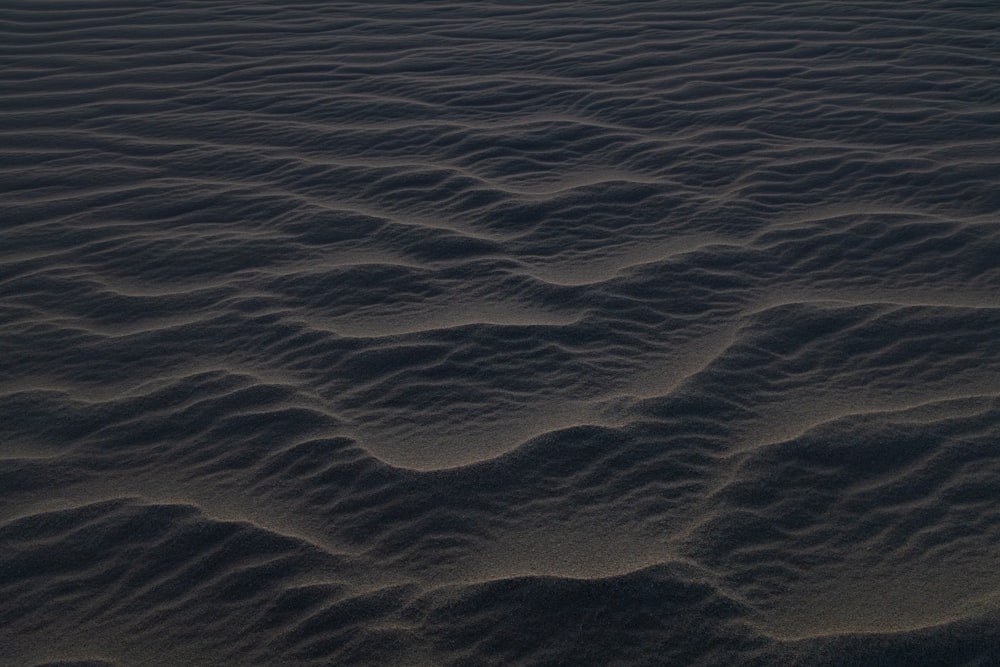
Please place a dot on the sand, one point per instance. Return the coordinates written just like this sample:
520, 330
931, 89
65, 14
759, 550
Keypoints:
577, 333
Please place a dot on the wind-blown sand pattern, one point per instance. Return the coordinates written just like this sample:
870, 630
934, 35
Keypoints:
573, 333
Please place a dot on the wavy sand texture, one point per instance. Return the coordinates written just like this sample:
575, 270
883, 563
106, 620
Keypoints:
576, 333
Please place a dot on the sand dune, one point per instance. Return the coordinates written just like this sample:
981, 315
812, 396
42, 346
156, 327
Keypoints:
584, 333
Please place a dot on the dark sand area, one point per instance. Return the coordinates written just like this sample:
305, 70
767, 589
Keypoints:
577, 333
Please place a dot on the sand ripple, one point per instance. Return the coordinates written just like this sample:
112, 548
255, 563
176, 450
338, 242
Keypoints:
582, 333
